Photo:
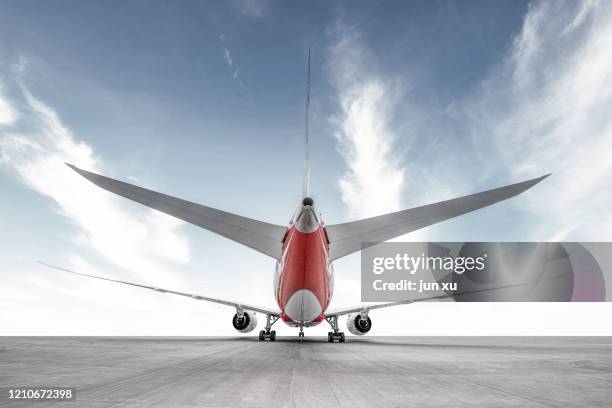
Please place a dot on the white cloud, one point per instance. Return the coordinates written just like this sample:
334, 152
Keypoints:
227, 56
254, 9
548, 108
8, 114
143, 241
373, 181
21, 66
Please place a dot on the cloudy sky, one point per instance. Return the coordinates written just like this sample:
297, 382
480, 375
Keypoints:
412, 102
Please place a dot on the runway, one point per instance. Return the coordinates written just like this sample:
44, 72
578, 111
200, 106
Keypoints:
364, 372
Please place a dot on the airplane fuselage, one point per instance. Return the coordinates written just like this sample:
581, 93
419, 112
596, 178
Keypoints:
303, 282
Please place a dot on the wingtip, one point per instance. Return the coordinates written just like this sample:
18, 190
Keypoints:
543, 177
77, 169
527, 184
38, 261
48, 265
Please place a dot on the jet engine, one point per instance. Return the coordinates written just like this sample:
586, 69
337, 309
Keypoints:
245, 323
356, 324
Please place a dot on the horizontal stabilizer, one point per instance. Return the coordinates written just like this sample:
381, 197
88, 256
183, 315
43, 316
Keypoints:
348, 237
260, 236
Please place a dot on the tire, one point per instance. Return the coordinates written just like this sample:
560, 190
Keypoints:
341, 337
261, 335
330, 338
273, 335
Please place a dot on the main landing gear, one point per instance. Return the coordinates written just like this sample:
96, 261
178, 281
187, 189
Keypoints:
268, 334
336, 334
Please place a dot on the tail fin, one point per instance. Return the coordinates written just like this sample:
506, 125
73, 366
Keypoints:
306, 191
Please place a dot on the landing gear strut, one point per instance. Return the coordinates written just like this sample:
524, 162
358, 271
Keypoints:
336, 334
268, 334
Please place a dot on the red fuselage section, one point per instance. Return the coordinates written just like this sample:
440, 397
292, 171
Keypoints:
303, 281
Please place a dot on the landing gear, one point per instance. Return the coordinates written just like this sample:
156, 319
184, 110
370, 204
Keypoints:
301, 335
269, 334
336, 334
331, 337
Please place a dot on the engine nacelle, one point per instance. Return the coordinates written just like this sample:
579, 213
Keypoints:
246, 323
358, 325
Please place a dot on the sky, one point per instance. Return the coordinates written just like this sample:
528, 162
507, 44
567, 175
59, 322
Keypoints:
411, 103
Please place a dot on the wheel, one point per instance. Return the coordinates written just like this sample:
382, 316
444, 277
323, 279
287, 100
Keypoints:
261, 335
273, 335
301, 334
330, 337
341, 337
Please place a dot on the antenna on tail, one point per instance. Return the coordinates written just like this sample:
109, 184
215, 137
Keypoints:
306, 191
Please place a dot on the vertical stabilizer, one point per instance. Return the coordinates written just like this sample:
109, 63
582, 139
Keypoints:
306, 191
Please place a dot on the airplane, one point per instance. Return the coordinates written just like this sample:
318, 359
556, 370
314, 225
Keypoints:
304, 250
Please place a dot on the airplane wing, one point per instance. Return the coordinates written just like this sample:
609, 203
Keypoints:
348, 237
238, 306
364, 309
367, 308
260, 236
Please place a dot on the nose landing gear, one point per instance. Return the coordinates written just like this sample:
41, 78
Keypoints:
336, 334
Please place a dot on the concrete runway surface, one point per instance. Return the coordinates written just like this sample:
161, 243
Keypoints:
364, 372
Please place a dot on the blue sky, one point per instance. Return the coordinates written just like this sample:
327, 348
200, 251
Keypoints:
412, 102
